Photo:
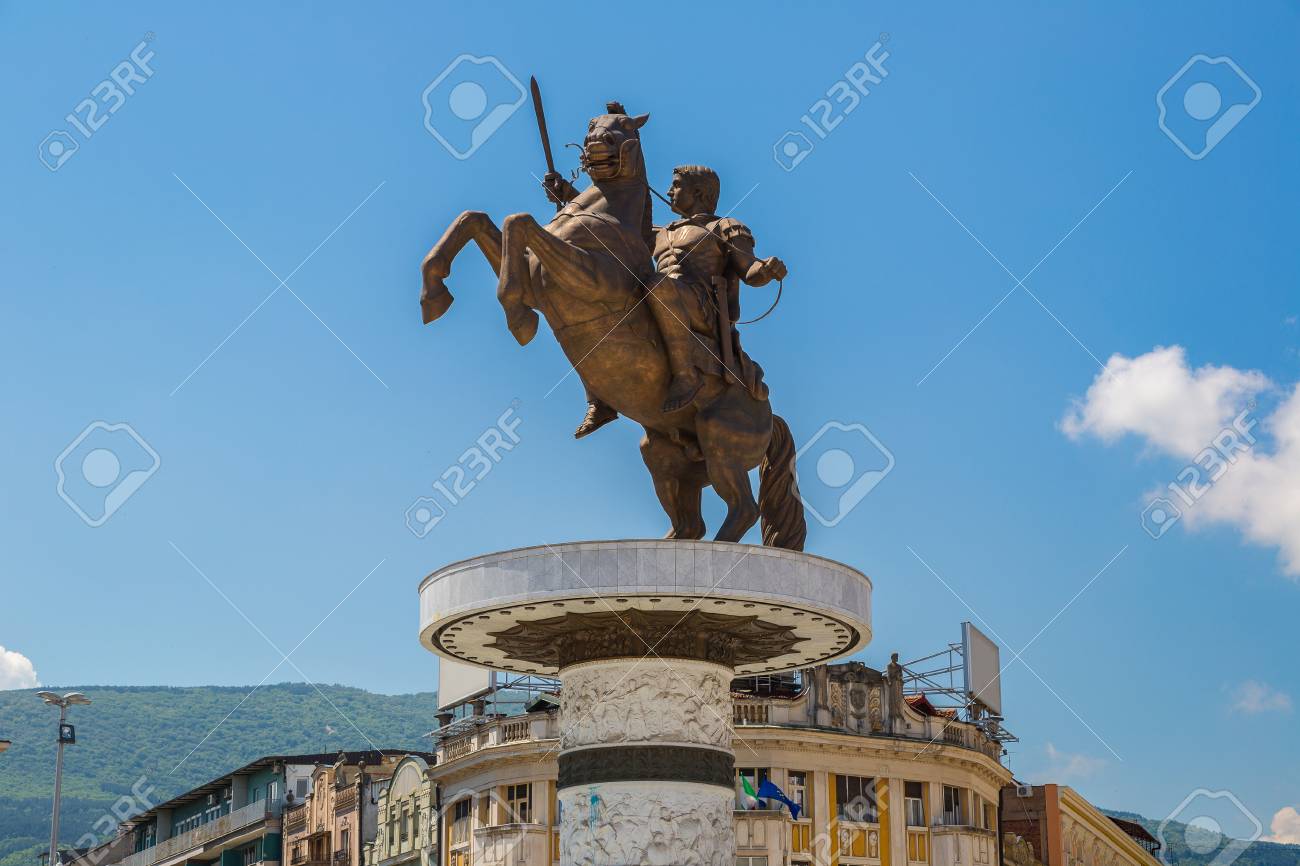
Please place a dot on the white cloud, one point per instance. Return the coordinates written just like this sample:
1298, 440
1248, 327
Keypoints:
16, 671
1255, 697
1068, 766
1158, 397
1180, 411
1285, 826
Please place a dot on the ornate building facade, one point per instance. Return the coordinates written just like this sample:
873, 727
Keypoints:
339, 816
407, 809
877, 779
1060, 828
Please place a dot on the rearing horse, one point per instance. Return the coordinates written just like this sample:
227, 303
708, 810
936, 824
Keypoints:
588, 272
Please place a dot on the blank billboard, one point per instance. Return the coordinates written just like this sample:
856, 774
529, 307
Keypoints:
982, 668
458, 683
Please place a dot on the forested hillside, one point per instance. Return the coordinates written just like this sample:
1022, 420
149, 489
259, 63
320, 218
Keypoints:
174, 739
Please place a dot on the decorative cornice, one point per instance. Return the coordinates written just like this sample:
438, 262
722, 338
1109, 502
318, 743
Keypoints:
573, 638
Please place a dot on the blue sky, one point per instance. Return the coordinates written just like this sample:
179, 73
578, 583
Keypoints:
287, 461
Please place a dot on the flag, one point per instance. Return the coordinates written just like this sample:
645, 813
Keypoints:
769, 791
749, 790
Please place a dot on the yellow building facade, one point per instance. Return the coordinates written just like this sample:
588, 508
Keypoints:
878, 782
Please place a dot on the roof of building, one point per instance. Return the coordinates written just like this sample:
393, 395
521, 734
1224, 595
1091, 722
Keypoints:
1136, 830
370, 756
922, 705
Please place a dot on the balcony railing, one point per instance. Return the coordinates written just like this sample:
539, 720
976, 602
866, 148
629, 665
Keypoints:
514, 732
750, 712
500, 732
251, 814
971, 738
295, 818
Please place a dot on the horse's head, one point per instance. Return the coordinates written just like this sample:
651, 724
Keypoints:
612, 148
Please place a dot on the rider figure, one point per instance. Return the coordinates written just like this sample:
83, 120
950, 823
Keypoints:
700, 259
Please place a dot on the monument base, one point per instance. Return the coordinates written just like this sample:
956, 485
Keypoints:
646, 637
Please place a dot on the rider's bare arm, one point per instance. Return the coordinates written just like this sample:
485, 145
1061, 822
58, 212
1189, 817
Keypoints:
753, 270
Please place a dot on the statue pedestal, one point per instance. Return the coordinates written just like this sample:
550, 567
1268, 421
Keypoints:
645, 637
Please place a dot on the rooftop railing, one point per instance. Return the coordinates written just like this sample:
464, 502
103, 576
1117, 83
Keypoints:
168, 848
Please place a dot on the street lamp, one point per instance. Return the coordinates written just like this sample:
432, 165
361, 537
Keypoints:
67, 736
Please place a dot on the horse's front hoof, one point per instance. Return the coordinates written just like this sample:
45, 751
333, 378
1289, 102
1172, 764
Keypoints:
434, 298
523, 325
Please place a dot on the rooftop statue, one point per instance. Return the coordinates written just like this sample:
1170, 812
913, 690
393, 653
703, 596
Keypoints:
656, 344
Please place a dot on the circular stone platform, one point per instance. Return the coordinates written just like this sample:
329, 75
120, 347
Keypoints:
752, 609
645, 637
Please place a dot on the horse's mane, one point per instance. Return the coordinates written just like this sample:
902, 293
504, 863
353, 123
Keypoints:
647, 218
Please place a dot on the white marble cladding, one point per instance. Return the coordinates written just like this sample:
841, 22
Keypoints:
662, 701
647, 823
608, 568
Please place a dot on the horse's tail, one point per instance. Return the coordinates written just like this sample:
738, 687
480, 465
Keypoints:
779, 504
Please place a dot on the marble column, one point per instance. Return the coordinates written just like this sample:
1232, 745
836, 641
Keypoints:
646, 766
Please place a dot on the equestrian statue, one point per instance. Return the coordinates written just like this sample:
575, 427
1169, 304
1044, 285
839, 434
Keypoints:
647, 317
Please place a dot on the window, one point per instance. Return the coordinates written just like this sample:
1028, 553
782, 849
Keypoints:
300, 788
415, 822
755, 776
345, 840
752, 861
518, 806
248, 855
406, 825
914, 803
954, 806
272, 791
459, 822
796, 788
989, 819
855, 799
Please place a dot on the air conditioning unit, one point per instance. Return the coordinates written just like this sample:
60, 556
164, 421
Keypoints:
1024, 790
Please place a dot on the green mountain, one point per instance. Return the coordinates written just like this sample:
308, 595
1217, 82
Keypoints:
1176, 836
175, 739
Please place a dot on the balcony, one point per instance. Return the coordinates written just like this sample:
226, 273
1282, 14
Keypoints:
253, 813
750, 712
969, 737
493, 733
295, 818
345, 799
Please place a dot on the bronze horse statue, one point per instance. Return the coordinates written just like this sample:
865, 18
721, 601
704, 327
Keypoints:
588, 272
